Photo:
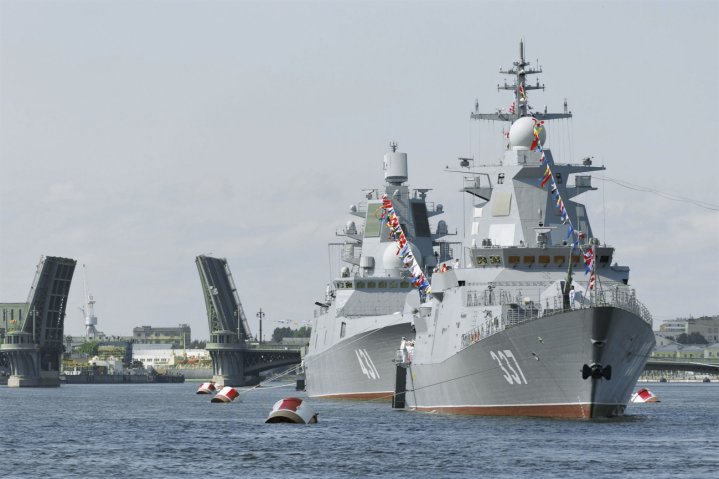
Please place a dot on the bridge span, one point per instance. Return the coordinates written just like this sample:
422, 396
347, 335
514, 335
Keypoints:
34, 345
682, 365
234, 361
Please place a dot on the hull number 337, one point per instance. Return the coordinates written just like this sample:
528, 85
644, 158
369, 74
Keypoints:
511, 370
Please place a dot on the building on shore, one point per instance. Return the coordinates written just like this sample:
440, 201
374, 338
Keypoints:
179, 336
707, 326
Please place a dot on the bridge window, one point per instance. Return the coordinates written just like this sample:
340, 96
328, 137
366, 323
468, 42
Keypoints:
482, 260
382, 284
360, 284
496, 260
370, 284
348, 285
513, 260
393, 284
404, 285
372, 224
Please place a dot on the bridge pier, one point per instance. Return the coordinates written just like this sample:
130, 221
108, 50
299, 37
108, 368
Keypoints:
29, 365
227, 364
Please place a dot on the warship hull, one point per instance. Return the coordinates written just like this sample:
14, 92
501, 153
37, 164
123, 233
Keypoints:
536, 368
358, 367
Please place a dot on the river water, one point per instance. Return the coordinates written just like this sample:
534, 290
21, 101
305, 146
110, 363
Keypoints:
166, 430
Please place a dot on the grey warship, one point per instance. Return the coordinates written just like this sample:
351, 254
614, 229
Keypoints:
369, 307
538, 319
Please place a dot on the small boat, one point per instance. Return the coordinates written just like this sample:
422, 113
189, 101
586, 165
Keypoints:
206, 388
292, 410
644, 395
226, 394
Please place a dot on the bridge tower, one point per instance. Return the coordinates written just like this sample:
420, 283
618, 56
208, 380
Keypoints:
229, 329
34, 346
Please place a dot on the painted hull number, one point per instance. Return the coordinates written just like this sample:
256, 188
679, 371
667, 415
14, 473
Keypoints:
366, 364
511, 370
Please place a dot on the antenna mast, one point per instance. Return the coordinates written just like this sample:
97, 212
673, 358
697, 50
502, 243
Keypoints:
520, 87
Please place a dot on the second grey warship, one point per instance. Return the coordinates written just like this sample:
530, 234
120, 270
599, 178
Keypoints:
369, 307
538, 319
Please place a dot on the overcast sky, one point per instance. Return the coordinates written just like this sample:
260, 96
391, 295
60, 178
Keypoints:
136, 135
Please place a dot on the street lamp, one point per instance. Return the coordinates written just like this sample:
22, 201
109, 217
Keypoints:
260, 315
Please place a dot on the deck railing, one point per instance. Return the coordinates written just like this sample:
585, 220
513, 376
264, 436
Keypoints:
551, 306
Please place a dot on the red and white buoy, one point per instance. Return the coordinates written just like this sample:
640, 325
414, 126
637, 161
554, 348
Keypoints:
644, 395
226, 394
206, 388
292, 410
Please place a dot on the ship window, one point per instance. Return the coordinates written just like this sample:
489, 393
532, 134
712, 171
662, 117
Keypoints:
404, 285
544, 260
340, 285
348, 285
382, 284
360, 284
370, 284
513, 259
343, 327
421, 223
393, 284
559, 178
372, 223
481, 260
604, 259
528, 259
495, 260
575, 259
500, 179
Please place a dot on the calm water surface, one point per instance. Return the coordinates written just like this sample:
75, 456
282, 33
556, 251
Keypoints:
166, 430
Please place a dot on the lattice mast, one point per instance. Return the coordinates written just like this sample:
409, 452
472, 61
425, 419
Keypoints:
520, 106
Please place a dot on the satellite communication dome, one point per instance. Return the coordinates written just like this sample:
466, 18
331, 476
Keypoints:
521, 133
391, 260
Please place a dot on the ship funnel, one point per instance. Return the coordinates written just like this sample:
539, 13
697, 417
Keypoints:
395, 166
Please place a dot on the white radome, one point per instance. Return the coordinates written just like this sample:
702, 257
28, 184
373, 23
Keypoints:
391, 260
521, 133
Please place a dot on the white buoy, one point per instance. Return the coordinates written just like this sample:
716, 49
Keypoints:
292, 410
226, 394
206, 388
644, 395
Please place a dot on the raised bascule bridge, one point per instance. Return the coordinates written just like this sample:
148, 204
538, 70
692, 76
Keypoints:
235, 362
34, 344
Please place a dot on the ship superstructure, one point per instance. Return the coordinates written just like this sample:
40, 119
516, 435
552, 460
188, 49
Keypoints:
369, 307
539, 319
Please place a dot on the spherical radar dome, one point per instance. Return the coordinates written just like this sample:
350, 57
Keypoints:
391, 260
521, 133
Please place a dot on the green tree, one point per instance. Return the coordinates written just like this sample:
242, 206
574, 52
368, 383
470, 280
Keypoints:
692, 338
280, 333
303, 332
89, 348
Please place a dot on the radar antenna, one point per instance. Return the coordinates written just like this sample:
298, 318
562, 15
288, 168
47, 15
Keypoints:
520, 87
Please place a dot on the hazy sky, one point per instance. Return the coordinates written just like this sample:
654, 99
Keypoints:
136, 135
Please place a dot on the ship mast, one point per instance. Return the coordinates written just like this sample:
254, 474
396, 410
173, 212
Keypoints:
520, 87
